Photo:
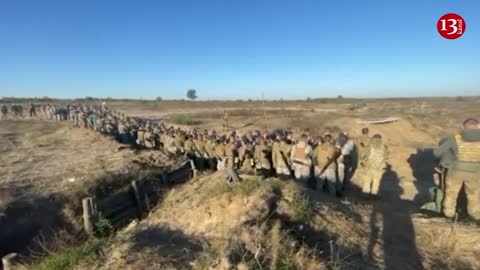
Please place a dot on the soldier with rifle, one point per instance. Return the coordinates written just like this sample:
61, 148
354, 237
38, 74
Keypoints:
301, 157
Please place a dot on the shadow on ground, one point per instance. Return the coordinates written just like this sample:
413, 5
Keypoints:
25, 219
422, 163
397, 233
163, 248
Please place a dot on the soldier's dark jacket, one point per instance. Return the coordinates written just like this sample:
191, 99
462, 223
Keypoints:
447, 152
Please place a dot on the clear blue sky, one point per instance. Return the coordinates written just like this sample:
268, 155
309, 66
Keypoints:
236, 49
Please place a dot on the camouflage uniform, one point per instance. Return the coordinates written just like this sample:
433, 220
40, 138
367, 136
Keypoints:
322, 154
4, 110
280, 153
301, 159
220, 156
262, 155
148, 139
362, 143
376, 158
199, 152
246, 158
210, 149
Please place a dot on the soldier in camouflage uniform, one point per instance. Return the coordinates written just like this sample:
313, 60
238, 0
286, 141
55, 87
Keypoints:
262, 156
361, 143
220, 155
325, 169
210, 149
245, 156
280, 153
465, 169
148, 138
301, 158
199, 152
376, 159
4, 110
188, 147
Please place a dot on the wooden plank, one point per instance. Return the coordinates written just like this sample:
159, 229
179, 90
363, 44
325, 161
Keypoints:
194, 169
87, 216
380, 120
138, 198
7, 261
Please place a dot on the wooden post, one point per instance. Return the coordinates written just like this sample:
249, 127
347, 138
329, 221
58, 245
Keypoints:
138, 198
192, 164
6, 261
89, 213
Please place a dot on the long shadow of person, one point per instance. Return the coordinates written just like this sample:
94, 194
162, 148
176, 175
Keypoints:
398, 234
422, 163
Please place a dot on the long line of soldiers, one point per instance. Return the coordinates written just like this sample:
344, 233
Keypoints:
319, 161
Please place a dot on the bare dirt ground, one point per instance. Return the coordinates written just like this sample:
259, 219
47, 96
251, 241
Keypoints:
46, 168
390, 234
199, 224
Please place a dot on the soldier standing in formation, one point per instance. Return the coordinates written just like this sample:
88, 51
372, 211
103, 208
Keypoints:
325, 165
4, 110
33, 113
225, 121
301, 156
464, 151
376, 157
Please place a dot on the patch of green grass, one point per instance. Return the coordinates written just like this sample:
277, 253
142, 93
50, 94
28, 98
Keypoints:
217, 190
286, 262
103, 227
69, 258
301, 207
244, 188
247, 186
206, 259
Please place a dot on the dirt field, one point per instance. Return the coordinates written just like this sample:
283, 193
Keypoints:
40, 158
391, 233
46, 168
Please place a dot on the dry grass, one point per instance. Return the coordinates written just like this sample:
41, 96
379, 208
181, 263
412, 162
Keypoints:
307, 231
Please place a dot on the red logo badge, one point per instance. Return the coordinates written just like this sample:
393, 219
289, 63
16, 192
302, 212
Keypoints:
451, 26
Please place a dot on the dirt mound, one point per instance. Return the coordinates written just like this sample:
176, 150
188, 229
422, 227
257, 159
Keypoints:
252, 223
272, 224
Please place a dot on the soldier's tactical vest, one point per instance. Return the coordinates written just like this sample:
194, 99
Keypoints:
229, 150
300, 153
220, 151
283, 154
188, 146
323, 153
467, 151
140, 136
179, 141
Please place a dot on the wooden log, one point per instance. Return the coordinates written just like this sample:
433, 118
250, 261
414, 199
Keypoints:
93, 206
138, 198
194, 169
87, 215
7, 261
